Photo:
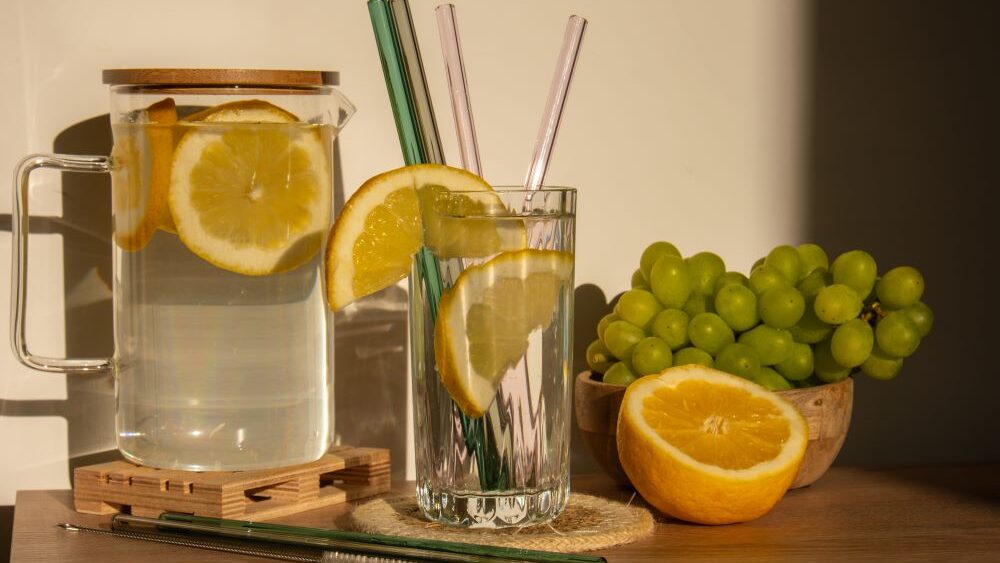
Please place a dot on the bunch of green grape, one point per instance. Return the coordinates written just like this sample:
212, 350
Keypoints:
796, 321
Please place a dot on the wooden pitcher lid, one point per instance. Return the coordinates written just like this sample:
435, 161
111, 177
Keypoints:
219, 77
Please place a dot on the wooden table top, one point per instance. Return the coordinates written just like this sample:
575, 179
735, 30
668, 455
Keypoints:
851, 514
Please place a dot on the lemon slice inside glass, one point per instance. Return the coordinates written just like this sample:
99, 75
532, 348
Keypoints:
709, 447
140, 178
484, 321
391, 216
250, 188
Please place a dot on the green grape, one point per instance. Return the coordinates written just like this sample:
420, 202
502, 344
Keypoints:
671, 281
813, 283
730, 278
621, 337
781, 307
599, 358
922, 317
619, 374
653, 253
900, 287
881, 365
799, 364
698, 304
786, 260
759, 262
809, 329
638, 307
671, 326
812, 257
738, 359
639, 280
772, 345
737, 305
705, 269
852, 343
602, 324
837, 304
770, 380
651, 355
857, 270
692, 355
827, 369
896, 335
710, 333
763, 278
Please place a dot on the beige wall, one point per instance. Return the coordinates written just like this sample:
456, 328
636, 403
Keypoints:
684, 123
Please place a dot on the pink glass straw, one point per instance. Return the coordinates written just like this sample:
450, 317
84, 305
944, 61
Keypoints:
465, 128
557, 99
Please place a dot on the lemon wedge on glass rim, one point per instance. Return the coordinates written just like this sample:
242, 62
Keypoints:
389, 218
248, 192
141, 174
708, 447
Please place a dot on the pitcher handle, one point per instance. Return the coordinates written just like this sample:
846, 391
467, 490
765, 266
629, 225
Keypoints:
19, 259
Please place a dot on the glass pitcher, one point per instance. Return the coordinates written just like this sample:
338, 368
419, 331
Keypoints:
222, 193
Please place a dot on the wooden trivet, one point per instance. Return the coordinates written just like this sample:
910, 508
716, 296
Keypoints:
344, 473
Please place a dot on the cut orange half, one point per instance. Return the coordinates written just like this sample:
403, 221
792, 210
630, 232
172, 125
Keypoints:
708, 447
140, 177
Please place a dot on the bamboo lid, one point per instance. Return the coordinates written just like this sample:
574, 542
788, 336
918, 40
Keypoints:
219, 77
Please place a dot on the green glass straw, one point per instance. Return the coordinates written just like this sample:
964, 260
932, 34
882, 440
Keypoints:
418, 138
466, 549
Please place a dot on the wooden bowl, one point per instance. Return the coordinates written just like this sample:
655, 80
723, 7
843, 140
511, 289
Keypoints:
826, 408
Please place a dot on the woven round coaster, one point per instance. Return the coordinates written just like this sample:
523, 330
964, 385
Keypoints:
587, 523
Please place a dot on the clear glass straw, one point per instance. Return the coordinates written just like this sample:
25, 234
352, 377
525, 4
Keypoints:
419, 95
418, 137
458, 87
557, 99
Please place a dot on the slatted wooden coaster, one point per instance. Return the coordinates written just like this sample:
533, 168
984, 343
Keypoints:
345, 473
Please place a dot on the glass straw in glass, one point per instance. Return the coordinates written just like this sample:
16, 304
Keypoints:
413, 112
546, 137
458, 87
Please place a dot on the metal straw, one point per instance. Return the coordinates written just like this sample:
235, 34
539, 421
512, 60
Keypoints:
351, 545
502, 553
458, 87
546, 137
282, 554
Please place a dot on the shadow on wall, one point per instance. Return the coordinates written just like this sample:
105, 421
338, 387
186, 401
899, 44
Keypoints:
903, 150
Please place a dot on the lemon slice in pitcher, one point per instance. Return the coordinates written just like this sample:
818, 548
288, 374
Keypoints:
485, 320
382, 225
141, 174
250, 189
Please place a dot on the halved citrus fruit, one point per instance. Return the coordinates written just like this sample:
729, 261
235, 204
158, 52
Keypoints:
250, 189
391, 215
141, 174
708, 447
484, 321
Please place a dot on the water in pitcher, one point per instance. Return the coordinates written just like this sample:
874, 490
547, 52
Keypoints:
223, 339
509, 467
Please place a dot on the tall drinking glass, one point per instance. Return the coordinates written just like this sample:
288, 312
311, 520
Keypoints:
491, 312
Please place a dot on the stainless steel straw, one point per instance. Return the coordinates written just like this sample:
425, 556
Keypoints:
269, 552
